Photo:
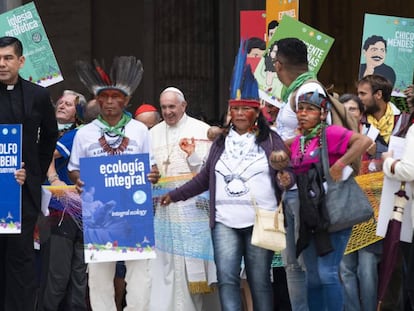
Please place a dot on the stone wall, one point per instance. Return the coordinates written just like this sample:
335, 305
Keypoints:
192, 43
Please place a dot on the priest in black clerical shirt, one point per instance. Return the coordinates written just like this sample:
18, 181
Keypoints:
22, 102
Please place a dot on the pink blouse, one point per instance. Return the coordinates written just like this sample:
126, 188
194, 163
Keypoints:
337, 138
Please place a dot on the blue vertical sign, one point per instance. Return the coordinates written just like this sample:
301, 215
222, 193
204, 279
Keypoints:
10, 161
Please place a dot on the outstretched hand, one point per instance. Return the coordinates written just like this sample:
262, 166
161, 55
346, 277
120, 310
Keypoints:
165, 200
187, 145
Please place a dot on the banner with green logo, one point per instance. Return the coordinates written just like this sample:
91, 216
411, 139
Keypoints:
24, 23
318, 44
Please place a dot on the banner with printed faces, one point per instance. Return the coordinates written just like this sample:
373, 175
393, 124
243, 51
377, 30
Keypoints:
387, 49
275, 10
253, 30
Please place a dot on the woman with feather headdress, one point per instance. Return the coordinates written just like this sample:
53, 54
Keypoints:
238, 172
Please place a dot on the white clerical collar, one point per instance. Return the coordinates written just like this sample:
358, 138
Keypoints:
10, 87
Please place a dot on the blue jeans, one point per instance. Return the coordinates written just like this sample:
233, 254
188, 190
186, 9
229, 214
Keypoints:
295, 274
230, 245
325, 292
359, 274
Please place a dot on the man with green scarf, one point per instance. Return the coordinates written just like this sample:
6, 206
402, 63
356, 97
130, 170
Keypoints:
291, 66
114, 132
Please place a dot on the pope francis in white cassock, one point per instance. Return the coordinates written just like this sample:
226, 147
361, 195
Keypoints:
180, 281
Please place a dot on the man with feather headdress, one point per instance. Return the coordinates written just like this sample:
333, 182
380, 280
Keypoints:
114, 132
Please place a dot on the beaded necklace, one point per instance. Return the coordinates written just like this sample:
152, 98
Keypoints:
111, 150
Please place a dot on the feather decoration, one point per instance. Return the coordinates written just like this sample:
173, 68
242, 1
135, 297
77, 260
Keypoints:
238, 69
101, 72
127, 72
243, 84
88, 76
250, 88
125, 75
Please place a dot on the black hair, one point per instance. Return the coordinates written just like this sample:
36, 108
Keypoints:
272, 24
372, 40
263, 128
378, 82
255, 42
349, 96
269, 61
292, 51
12, 41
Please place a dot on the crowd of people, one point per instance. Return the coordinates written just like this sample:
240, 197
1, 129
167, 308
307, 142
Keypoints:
245, 162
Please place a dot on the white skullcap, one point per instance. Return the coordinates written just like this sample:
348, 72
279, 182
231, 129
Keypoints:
174, 90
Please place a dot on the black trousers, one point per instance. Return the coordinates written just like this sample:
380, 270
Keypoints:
64, 278
281, 299
17, 264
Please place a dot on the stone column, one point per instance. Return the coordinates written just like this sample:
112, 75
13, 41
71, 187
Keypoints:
6, 5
